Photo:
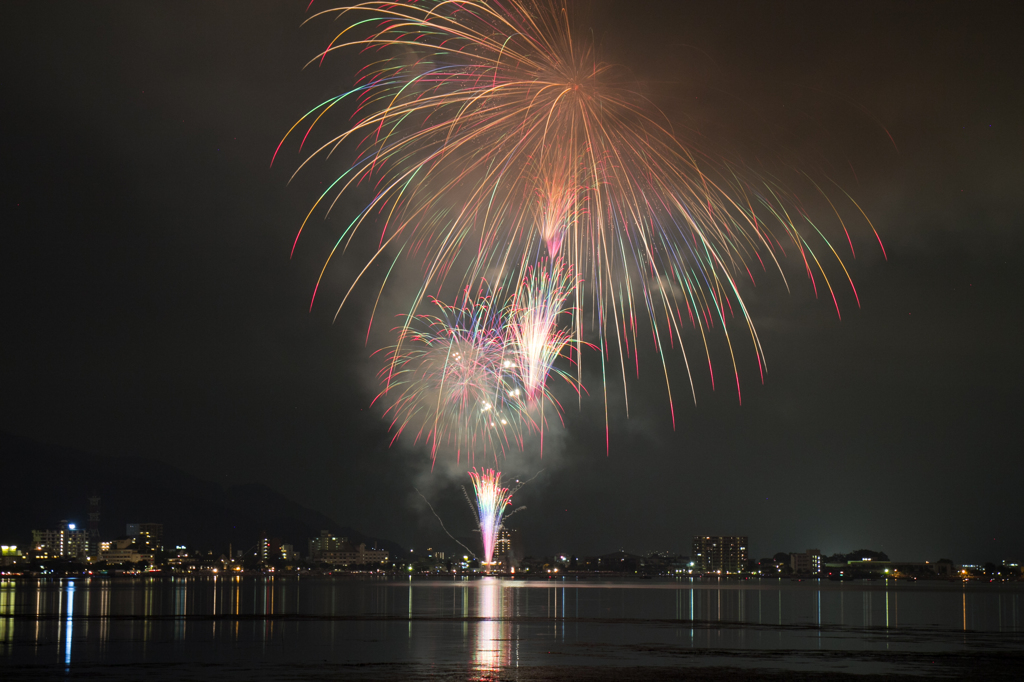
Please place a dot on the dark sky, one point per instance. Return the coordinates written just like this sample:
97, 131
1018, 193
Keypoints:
150, 307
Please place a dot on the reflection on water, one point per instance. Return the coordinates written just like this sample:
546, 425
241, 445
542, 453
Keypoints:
488, 624
6, 621
493, 642
69, 623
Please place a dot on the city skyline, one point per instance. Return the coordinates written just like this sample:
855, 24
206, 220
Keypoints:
71, 551
707, 554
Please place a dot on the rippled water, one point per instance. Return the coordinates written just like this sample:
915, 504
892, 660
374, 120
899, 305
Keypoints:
246, 627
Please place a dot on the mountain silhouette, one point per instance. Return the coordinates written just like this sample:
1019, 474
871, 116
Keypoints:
44, 484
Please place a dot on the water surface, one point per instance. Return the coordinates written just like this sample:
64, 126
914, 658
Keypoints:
248, 627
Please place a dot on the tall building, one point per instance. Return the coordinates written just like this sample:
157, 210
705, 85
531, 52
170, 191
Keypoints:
327, 542
148, 536
508, 549
65, 542
269, 548
264, 547
720, 553
503, 544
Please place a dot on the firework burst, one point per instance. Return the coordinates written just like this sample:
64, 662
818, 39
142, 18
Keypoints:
451, 381
488, 132
473, 376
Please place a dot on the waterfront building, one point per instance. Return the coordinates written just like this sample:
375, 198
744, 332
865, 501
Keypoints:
330, 549
9, 555
720, 553
269, 548
117, 555
68, 542
353, 555
327, 542
810, 561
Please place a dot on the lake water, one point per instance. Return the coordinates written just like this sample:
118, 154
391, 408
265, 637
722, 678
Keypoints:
489, 628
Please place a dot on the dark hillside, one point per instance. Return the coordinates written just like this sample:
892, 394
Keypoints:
43, 484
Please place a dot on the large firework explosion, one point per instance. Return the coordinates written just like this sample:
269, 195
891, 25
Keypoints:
496, 143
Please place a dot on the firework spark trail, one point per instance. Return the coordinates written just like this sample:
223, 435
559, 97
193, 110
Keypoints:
488, 132
440, 521
558, 206
491, 502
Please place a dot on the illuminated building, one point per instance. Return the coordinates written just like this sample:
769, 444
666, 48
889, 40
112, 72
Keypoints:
720, 553
149, 536
65, 542
508, 549
328, 549
806, 562
327, 542
115, 555
353, 555
438, 559
123, 550
503, 545
269, 548
9, 555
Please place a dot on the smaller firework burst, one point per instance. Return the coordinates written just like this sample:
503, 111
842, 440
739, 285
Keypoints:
492, 501
450, 379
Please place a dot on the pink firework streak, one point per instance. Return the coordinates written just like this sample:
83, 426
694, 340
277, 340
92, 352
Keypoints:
559, 206
533, 323
491, 502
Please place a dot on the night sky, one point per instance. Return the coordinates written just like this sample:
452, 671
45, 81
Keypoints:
150, 307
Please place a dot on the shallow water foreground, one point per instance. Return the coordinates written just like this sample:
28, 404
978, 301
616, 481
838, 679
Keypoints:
256, 628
